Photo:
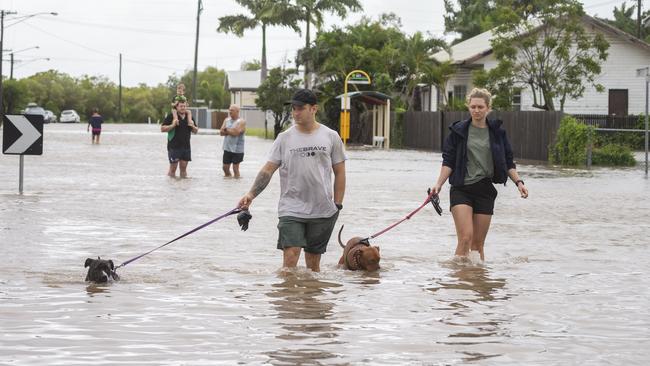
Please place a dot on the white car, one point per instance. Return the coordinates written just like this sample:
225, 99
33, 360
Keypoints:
69, 115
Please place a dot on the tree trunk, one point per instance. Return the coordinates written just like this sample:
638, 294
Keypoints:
306, 53
263, 76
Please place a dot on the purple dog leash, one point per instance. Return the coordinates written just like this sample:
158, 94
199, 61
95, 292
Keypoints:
231, 212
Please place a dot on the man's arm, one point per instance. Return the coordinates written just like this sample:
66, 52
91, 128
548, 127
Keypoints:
223, 130
238, 129
261, 181
167, 128
339, 182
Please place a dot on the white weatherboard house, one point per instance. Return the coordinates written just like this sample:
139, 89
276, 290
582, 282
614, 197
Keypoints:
624, 91
242, 86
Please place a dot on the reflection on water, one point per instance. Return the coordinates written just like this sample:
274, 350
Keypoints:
467, 286
304, 312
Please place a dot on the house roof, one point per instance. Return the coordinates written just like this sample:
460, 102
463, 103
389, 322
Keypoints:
367, 96
470, 50
244, 80
467, 50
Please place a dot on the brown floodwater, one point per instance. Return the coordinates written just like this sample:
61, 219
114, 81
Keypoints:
565, 280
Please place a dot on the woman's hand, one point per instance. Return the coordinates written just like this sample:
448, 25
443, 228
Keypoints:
523, 191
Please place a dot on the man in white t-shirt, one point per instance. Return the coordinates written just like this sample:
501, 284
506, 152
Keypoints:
307, 153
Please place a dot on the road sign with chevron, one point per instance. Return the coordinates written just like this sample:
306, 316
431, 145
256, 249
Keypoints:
22, 134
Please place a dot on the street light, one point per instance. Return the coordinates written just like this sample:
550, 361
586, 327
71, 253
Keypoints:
645, 72
4, 13
11, 57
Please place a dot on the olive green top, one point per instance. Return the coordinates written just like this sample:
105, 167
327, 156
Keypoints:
479, 155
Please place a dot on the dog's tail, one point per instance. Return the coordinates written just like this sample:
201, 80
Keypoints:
340, 231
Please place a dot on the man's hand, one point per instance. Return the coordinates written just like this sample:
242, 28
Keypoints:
245, 201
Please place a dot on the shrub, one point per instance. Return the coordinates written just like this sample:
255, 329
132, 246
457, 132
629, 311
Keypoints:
611, 154
570, 146
633, 140
397, 130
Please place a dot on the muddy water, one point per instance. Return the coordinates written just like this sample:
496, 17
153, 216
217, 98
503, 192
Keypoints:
565, 281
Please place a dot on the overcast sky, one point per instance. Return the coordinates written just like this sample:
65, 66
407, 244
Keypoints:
156, 37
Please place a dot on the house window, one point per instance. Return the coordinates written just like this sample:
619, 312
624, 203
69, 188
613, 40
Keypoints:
460, 91
516, 100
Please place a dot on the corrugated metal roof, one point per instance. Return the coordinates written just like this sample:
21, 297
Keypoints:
468, 49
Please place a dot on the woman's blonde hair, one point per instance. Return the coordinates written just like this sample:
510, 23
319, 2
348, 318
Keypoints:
480, 93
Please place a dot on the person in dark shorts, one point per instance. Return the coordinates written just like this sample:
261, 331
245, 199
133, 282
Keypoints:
95, 123
234, 129
179, 131
306, 154
475, 155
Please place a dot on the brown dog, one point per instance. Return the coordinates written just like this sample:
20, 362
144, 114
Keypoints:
358, 254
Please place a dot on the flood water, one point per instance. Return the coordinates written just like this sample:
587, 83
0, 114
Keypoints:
565, 280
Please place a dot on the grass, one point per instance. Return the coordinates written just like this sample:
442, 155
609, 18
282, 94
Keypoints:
258, 132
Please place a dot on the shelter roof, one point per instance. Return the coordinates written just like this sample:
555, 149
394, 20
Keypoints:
368, 96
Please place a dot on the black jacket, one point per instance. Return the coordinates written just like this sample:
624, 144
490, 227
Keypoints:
454, 152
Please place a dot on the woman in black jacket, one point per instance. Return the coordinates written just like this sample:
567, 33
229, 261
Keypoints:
475, 155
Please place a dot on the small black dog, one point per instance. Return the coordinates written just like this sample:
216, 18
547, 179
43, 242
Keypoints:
100, 270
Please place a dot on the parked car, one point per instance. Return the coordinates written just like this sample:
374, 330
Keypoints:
50, 117
69, 115
33, 108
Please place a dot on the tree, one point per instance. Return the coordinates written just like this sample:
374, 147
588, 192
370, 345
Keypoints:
471, 18
624, 19
274, 92
546, 49
312, 11
264, 13
416, 53
251, 65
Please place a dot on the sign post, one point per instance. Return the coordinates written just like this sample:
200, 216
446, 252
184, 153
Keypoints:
645, 72
22, 135
353, 77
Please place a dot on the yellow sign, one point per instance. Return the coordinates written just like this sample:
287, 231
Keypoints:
353, 77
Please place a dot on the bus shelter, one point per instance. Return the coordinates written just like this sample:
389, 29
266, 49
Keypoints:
380, 112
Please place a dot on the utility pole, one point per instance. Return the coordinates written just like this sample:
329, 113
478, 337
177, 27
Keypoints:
638, 20
2, 32
11, 72
119, 93
196, 51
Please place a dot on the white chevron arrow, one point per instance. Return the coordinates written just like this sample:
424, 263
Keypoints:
30, 135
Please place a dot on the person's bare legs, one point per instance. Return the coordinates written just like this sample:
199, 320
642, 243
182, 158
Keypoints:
481, 225
462, 215
312, 261
172, 169
235, 170
226, 170
183, 166
290, 256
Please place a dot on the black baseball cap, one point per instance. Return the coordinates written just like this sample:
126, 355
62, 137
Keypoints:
302, 97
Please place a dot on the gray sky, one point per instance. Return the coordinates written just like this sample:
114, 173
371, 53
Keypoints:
156, 37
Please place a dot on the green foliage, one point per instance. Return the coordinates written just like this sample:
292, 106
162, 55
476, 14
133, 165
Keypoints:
397, 130
570, 146
278, 87
625, 20
15, 96
552, 54
633, 140
469, 18
251, 65
614, 155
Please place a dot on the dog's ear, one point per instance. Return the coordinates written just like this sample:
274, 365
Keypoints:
377, 248
88, 262
110, 262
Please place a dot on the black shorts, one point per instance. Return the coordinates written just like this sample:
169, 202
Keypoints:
232, 158
176, 155
480, 196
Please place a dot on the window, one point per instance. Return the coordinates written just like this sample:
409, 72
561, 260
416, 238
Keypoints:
516, 100
460, 92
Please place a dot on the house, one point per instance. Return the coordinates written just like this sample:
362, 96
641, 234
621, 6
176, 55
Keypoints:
624, 91
242, 86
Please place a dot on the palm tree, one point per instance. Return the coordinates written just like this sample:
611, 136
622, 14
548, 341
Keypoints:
312, 11
416, 54
263, 13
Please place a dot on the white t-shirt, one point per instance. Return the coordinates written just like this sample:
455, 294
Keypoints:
306, 160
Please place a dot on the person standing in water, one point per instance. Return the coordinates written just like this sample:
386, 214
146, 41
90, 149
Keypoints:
475, 155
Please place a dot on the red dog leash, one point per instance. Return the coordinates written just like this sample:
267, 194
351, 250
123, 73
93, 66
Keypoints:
431, 198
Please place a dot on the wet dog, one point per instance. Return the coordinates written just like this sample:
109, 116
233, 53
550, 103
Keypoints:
358, 254
100, 270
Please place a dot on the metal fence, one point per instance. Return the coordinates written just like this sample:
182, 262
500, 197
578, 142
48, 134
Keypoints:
530, 133
608, 121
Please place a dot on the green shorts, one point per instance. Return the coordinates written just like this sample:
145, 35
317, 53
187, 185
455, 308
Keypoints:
310, 234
